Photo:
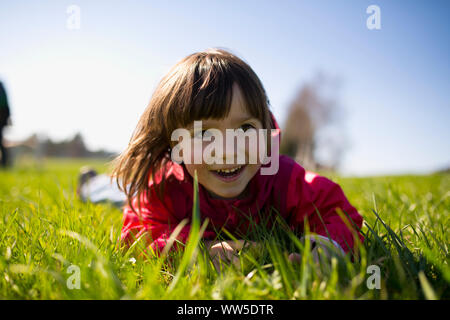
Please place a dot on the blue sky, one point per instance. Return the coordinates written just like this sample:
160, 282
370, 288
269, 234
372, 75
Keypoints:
98, 79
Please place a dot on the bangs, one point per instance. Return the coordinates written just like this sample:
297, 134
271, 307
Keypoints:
210, 78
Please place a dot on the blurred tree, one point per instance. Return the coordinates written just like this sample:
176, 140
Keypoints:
313, 133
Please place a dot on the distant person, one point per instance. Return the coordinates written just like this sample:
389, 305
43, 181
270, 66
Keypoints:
4, 121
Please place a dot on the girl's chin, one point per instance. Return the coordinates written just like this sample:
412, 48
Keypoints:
228, 189
226, 196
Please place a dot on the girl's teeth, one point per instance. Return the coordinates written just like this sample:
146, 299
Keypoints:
229, 170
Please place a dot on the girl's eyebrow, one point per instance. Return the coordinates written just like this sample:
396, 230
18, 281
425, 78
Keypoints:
244, 119
206, 123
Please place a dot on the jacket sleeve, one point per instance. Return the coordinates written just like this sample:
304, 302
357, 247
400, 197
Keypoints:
316, 199
153, 220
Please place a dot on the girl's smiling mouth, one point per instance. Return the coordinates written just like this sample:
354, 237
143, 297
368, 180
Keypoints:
229, 174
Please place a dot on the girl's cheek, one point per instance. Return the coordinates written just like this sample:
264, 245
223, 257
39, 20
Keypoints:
192, 168
192, 153
255, 151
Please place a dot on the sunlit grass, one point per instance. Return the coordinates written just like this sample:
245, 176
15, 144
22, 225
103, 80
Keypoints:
44, 229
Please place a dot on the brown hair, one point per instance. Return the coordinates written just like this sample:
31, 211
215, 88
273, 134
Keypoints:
197, 87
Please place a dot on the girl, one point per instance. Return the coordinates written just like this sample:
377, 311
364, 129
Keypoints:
220, 89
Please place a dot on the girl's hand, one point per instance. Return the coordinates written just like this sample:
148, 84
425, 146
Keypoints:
295, 258
322, 250
324, 256
226, 252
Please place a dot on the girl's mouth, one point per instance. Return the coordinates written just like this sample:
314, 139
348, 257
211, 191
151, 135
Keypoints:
229, 174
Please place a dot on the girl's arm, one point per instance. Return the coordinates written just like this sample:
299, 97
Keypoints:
316, 199
156, 231
226, 252
155, 222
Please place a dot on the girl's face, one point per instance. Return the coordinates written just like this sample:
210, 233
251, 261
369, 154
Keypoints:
232, 182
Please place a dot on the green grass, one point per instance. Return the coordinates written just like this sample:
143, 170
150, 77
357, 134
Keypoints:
45, 229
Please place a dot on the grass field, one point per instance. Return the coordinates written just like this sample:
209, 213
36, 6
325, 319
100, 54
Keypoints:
47, 237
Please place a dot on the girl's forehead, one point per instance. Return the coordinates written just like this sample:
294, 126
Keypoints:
236, 117
238, 113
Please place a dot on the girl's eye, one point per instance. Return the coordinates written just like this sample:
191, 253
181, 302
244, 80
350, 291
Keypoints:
199, 135
206, 133
247, 126
203, 133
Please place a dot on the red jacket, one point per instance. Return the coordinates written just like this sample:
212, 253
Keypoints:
293, 192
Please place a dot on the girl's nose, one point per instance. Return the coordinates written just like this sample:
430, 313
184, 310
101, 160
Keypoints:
235, 150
